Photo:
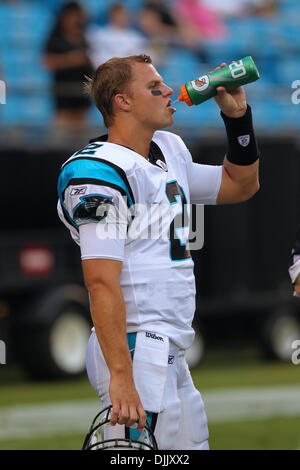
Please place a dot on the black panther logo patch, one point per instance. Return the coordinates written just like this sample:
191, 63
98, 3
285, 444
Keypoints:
93, 207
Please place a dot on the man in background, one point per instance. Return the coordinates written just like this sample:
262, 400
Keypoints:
116, 39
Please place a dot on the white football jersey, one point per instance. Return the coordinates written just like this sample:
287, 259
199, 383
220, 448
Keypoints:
119, 205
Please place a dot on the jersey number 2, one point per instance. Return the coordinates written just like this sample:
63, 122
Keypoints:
178, 250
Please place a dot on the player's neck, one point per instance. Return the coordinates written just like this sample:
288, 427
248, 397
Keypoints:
136, 139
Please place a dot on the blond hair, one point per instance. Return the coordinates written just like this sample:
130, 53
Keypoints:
112, 77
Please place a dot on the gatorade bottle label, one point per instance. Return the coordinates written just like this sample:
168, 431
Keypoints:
201, 83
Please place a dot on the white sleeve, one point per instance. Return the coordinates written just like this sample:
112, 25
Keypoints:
106, 238
204, 181
101, 216
94, 244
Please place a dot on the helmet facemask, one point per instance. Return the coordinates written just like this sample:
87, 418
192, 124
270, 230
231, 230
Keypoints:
103, 436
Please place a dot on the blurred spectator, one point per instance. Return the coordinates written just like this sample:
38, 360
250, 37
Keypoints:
66, 55
157, 20
264, 7
2, 87
116, 39
238, 8
165, 27
200, 19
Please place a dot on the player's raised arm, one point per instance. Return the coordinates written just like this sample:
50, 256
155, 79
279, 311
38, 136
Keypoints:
240, 166
109, 319
237, 179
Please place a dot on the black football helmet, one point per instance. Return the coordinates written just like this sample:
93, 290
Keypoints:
95, 438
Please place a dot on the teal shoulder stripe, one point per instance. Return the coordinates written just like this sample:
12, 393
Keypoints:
93, 169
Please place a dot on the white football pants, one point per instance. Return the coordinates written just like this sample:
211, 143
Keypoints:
182, 424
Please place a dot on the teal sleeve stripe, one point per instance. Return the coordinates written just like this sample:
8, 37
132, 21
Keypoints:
91, 169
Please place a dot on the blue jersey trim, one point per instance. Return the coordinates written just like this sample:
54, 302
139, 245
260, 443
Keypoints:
96, 170
131, 339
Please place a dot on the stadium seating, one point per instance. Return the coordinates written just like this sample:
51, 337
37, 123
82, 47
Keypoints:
274, 44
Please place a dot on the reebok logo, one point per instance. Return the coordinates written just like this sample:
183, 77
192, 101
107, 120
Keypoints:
171, 359
153, 336
78, 191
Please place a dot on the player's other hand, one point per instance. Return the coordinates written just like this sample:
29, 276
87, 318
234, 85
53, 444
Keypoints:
233, 102
126, 404
297, 285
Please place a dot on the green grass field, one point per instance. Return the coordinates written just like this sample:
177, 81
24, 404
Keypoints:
279, 429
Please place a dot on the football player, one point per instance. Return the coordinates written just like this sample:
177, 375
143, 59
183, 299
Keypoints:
294, 269
113, 195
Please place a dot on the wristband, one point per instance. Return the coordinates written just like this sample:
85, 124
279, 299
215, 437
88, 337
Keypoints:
242, 146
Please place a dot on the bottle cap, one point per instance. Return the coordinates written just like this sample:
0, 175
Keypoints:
184, 96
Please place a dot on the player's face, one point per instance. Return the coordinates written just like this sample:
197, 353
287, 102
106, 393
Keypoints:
150, 98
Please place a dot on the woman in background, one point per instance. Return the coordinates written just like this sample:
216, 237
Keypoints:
66, 55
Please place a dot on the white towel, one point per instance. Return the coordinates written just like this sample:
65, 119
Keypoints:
150, 363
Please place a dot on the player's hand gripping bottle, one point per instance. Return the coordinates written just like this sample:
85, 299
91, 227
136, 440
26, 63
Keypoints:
203, 88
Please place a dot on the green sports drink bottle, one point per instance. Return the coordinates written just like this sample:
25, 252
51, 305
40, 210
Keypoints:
203, 88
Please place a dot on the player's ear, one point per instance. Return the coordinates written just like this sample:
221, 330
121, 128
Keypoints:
122, 101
